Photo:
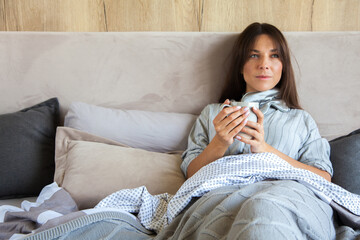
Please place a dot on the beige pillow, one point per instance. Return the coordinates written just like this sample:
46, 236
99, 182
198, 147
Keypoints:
91, 167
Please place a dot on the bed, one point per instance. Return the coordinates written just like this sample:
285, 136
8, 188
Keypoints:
92, 127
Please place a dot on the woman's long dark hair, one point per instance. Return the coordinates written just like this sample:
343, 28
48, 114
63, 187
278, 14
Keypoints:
235, 86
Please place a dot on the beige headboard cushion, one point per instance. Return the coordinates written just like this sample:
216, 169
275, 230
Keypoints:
172, 72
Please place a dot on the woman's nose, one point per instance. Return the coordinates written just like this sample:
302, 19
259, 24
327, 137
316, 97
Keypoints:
264, 63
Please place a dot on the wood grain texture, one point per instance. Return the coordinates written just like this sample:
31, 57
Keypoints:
336, 15
2, 16
235, 15
79, 15
55, 15
28, 15
152, 15
177, 15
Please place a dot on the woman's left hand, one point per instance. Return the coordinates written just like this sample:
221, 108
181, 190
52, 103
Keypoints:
256, 130
258, 145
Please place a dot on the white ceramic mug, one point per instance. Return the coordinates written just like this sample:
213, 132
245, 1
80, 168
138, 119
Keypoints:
252, 116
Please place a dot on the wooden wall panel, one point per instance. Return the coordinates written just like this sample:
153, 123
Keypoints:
28, 15
235, 15
177, 15
2, 16
55, 15
75, 15
153, 15
336, 15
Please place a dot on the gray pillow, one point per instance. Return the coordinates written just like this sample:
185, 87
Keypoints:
345, 157
152, 131
27, 148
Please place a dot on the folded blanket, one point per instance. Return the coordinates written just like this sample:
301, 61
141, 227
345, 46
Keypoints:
156, 212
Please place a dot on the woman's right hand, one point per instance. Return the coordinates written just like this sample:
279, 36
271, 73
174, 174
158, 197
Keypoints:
229, 122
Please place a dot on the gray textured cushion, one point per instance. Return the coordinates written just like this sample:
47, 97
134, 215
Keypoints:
27, 148
345, 157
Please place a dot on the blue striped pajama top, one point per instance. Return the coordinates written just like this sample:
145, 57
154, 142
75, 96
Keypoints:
291, 131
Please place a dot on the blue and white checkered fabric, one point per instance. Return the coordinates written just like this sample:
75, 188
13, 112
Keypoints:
155, 212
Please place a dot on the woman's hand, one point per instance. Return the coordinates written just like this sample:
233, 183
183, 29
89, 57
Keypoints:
259, 145
256, 131
229, 122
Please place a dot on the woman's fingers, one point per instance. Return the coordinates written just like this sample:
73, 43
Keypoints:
224, 114
256, 131
255, 126
229, 114
239, 127
229, 122
253, 129
237, 122
221, 115
259, 114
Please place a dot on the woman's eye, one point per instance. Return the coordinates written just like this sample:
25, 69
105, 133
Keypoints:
275, 56
253, 56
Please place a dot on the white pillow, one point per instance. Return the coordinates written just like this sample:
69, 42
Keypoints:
152, 131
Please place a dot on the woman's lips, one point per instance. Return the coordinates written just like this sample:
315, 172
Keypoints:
263, 77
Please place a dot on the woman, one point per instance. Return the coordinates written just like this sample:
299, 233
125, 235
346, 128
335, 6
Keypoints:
261, 72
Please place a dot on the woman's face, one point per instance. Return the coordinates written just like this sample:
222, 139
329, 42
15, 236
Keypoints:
263, 68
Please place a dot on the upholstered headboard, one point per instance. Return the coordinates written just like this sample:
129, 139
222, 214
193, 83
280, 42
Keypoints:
172, 72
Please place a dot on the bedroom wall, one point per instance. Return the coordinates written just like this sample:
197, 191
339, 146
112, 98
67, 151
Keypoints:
177, 15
